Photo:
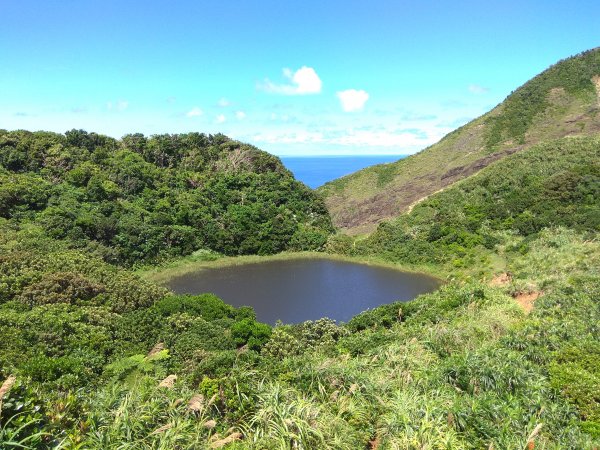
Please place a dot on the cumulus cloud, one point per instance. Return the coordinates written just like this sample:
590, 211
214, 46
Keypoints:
405, 139
352, 99
301, 82
194, 112
477, 89
240, 115
221, 118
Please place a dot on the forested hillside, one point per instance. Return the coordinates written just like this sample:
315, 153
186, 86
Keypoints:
75, 209
95, 357
143, 199
562, 101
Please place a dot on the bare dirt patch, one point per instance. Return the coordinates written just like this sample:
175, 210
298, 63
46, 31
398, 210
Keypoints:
501, 280
527, 299
374, 444
557, 96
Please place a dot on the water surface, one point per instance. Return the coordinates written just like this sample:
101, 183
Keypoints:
305, 289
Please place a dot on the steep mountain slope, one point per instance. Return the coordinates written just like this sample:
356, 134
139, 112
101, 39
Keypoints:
562, 101
553, 184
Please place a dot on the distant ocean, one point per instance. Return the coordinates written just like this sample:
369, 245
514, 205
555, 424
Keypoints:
315, 171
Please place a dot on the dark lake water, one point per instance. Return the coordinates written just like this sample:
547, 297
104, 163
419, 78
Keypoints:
306, 289
315, 171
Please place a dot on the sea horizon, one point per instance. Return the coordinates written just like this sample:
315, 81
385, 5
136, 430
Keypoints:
315, 171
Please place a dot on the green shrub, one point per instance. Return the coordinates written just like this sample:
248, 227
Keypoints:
207, 306
251, 333
61, 287
45, 369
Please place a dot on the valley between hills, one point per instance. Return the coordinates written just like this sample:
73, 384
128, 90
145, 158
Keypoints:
97, 353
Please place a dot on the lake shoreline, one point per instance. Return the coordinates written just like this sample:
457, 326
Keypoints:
164, 274
294, 288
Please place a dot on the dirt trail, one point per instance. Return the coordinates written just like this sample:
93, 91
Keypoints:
411, 206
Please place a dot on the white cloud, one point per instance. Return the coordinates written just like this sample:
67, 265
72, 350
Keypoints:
477, 89
352, 99
240, 115
400, 139
224, 103
120, 105
404, 139
195, 112
299, 137
221, 118
304, 81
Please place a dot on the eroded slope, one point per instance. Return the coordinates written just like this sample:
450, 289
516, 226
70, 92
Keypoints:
562, 101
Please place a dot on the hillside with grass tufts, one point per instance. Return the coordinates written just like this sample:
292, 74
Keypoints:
562, 101
505, 355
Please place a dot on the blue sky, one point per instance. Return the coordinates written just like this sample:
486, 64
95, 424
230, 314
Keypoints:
306, 77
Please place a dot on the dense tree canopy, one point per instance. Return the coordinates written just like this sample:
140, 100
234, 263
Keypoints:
146, 198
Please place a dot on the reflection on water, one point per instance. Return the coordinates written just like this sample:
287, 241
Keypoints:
306, 289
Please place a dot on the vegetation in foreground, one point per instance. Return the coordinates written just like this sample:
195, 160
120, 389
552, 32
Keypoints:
93, 356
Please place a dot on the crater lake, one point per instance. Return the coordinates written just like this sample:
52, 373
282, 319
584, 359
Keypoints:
303, 289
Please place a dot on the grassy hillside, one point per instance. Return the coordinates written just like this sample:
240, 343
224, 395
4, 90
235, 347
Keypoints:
562, 101
555, 184
94, 357
145, 199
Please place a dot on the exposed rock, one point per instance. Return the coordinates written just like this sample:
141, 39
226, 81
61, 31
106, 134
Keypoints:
168, 382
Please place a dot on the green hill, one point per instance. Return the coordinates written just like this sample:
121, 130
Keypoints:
143, 199
550, 185
562, 101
